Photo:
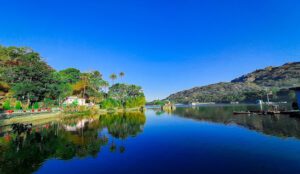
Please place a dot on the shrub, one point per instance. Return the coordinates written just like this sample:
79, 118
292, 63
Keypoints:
159, 102
6, 105
135, 102
18, 105
110, 103
36, 105
48, 103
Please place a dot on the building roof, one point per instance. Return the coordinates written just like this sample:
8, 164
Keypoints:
72, 97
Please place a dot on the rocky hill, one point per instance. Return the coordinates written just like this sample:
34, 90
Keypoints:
283, 76
247, 88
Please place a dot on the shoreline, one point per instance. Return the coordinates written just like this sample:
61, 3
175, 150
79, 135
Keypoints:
54, 116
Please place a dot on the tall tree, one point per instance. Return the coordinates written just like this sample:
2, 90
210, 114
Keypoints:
123, 91
113, 77
70, 75
89, 86
121, 75
30, 77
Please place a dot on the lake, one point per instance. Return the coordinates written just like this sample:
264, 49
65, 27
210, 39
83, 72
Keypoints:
205, 139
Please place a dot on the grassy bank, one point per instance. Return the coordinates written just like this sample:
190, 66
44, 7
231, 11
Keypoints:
37, 119
104, 111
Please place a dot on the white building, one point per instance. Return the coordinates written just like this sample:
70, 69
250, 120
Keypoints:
74, 99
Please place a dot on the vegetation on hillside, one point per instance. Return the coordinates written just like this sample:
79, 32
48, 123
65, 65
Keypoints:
249, 88
286, 75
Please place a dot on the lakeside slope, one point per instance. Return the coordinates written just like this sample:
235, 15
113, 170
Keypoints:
247, 88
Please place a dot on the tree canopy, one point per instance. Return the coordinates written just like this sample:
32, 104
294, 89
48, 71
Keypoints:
26, 77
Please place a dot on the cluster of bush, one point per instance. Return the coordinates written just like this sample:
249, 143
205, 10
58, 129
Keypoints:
130, 102
18, 105
8, 106
123, 96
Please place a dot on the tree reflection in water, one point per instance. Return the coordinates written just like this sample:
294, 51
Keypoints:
24, 150
280, 125
122, 126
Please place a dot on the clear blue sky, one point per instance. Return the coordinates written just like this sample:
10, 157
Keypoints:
164, 46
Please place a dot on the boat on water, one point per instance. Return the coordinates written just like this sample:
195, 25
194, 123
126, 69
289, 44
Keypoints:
241, 112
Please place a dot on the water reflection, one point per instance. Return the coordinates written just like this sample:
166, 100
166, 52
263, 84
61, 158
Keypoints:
280, 125
24, 150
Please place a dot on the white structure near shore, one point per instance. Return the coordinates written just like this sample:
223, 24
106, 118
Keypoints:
74, 99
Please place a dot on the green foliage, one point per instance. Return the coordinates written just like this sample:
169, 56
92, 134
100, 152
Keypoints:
58, 89
18, 105
70, 75
231, 92
75, 103
123, 91
248, 88
123, 95
158, 102
130, 102
283, 76
113, 77
123, 125
89, 86
135, 102
28, 78
121, 74
48, 103
23, 153
110, 104
36, 105
6, 105
253, 96
28, 75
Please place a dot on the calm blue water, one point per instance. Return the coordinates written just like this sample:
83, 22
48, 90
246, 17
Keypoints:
189, 140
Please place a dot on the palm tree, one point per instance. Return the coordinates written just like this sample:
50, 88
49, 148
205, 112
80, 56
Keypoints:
121, 74
113, 77
85, 82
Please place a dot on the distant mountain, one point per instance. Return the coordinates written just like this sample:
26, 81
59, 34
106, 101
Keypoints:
282, 76
247, 88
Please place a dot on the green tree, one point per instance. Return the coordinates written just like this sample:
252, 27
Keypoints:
89, 86
121, 91
121, 75
129, 95
29, 76
110, 104
113, 77
58, 89
70, 75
